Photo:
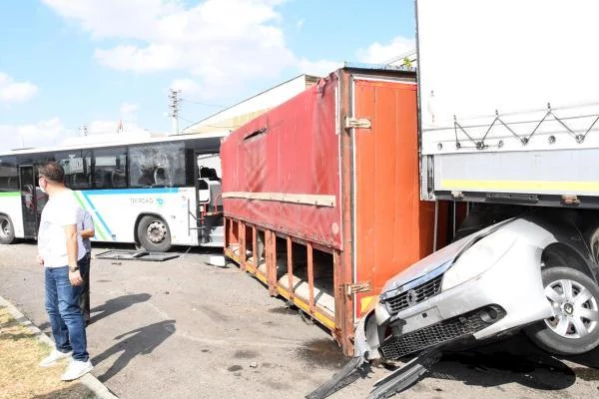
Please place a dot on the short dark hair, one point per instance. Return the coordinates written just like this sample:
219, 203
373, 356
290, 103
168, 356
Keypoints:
52, 171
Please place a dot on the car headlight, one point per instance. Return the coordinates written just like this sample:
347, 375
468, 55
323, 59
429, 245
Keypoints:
477, 259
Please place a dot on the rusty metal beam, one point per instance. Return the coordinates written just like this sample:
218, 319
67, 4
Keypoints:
345, 272
339, 303
255, 252
242, 245
271, 262
310, 251
291, 289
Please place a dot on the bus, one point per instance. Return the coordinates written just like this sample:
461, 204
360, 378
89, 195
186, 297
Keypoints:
154, 193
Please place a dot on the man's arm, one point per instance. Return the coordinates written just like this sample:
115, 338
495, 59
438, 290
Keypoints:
88, 226
72, 251
89, 233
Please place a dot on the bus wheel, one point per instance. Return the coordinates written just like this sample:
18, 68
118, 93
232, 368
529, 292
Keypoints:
153, 234
7, 230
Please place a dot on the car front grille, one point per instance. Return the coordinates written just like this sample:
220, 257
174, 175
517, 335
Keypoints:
469, 323
416, 295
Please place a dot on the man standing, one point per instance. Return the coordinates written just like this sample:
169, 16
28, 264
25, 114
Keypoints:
85, 226
60, 250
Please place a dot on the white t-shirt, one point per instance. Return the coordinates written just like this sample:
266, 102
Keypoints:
61, 210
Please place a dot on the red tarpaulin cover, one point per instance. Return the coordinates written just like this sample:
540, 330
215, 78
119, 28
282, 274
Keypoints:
290, 153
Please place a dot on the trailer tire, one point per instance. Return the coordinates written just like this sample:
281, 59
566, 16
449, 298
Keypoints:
575, 328
7, 230
153, 234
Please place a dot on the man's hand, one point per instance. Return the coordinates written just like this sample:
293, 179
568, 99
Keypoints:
40, 260
75, 278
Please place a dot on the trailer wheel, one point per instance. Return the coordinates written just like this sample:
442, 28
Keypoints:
574, 328
7, 230
154, 234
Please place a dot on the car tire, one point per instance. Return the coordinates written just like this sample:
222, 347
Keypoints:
575, 328
154, 234
7, 230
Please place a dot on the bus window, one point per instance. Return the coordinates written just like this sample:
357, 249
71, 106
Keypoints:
77, 168
9, 175
157, 165
110, 169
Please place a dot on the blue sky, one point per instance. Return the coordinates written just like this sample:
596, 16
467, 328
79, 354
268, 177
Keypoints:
65, 63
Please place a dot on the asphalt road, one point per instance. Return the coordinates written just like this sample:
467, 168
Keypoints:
183, 329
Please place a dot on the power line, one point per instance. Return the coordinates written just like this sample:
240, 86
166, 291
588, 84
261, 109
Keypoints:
203, 104
186, 120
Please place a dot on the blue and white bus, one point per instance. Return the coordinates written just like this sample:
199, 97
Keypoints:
155, 193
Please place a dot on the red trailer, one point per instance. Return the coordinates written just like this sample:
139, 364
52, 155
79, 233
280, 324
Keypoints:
321, 194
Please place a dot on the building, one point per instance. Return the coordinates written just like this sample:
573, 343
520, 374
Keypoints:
235, 116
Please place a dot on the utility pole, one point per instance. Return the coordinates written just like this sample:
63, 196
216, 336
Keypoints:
83, 130
173, 97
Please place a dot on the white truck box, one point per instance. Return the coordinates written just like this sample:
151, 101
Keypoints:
509, 100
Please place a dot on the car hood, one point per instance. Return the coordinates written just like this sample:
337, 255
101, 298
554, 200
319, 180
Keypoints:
441, 258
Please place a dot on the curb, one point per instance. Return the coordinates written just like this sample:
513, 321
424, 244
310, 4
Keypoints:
91, 382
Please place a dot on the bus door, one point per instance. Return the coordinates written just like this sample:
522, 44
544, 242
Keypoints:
28, 187
208, 188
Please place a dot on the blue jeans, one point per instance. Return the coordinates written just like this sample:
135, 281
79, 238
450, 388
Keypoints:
66, 319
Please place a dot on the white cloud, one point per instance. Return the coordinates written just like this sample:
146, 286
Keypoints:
40, 134
189, 88
300, 24
52, 132
152, 58
318, 68
15, 92
129, 111
105, 126
383, 53
218, 42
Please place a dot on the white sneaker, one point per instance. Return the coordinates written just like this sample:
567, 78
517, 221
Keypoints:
77, 369
54, 357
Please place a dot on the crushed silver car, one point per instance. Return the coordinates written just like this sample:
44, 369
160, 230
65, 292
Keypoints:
537, 272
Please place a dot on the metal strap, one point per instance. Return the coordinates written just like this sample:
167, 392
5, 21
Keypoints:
525, 139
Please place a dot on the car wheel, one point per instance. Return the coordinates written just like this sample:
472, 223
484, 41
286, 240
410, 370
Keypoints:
7, 230
574, 327
154, 234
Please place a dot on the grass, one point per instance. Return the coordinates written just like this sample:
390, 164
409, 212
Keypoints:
20, 375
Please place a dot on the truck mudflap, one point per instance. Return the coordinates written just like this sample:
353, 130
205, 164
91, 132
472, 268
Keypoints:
396, 382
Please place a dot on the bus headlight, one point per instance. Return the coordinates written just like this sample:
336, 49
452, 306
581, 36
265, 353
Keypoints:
477, 259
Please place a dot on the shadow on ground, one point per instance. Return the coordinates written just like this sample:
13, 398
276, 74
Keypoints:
110, 307
73, 392
513, 360
116, 305
503, 362
141, 341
